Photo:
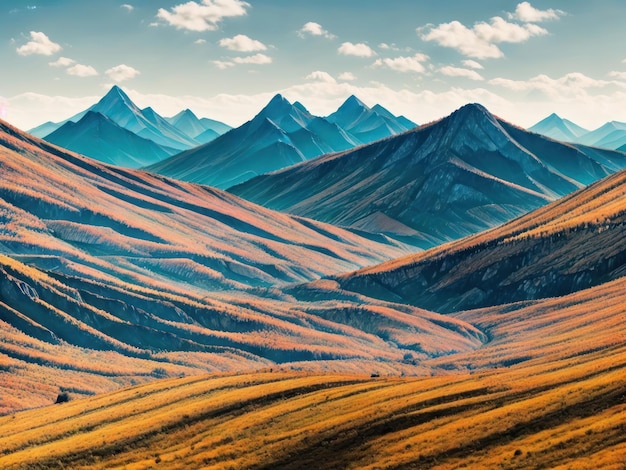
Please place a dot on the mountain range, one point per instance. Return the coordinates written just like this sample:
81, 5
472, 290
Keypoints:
611, 135
168, 272
327, 346
573, 244
454, 177
280, 135
115, 130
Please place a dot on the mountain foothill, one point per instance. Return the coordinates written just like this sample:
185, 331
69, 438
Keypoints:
351, 289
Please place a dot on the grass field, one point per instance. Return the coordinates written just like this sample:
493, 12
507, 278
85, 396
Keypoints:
560, 404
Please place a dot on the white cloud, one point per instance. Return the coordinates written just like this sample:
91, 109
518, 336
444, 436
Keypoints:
320, 76
223, 65
618, 75
569, 86
589, 106
359, 49
314, 29
127, 6
200, 41
461, 72
256, 59
122, 72
62, 62
472, 64
39, 44
83, 71
404, 64
480, 40
242, 43
527, 13
203, 16
347, 76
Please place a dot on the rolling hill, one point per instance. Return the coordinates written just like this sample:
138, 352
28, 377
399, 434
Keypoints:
546, 392
102, 266
462, 174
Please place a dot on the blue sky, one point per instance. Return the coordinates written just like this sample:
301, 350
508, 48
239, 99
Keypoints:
225, 59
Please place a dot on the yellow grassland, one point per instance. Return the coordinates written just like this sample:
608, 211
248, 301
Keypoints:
563, 403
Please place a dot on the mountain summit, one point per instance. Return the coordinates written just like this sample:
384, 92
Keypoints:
464, 173
280, 135
368, 124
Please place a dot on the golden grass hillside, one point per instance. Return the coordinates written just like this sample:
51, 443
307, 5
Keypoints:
562, 405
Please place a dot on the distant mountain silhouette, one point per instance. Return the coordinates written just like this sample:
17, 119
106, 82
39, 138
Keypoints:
202, 130
99, 137
558, 128
611, 135
280, 135
368, 124
462, 174
146, 123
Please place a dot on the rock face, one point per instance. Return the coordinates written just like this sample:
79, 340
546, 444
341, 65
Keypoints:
570, 245
465, 173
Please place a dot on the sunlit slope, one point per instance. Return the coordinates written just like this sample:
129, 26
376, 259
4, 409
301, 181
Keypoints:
546, 392
574, 243
567, 412
99, 264
465, 173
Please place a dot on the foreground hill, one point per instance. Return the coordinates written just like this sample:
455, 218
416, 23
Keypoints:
574, 243
546, 392
109, 276
465, 173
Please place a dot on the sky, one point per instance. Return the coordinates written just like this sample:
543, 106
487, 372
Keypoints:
225, 59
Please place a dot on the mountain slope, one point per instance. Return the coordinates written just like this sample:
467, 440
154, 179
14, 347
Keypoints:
280, 135
99, 263
558, 128
465, 173
572, 244
368, 124
99, 137
610, 135
202, 130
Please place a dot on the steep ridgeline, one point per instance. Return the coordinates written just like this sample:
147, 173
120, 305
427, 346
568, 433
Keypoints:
281, 135
611, 135
465, 173
99, 264
368, 124
572, 244
99, 137
115, 130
